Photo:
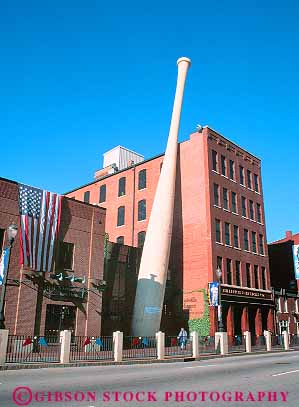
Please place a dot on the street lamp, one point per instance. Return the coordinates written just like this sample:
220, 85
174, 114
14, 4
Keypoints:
220, 323
11, 231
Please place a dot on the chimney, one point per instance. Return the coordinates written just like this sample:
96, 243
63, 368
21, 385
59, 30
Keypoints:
289, 234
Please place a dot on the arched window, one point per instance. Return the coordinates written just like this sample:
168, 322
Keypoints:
142, 179
102, 193
122, 186
142, 209
120, 240
141, 238
121, 216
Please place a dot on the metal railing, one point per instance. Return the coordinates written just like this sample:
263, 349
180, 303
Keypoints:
28, 349
206, 344
91, 348
236, 343
277, 341
139, 347
294, 340
175, 346
258, 343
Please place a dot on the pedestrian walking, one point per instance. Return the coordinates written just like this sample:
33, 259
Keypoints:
182, 338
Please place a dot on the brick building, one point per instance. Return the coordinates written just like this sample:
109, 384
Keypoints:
284, 283
218, 221
68, 297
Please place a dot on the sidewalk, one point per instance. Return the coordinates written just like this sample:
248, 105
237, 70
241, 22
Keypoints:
19, 366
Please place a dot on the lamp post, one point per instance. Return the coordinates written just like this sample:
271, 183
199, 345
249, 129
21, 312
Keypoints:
220, 323
12, 231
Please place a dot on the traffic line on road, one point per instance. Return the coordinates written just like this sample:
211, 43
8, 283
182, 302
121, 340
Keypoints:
281, 374
195, 367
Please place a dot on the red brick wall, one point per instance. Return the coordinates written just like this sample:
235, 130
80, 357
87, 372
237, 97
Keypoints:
81, 224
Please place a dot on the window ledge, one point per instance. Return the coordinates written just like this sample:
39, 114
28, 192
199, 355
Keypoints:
120, 226
225, 176
252, 220
220, 243
121, 196
257, 192
141, 189
242, 185
244, 217
237, 248
226, 210
250, 189
216, 206
142, 220
228, 245
235, 213
216, 172
233, 180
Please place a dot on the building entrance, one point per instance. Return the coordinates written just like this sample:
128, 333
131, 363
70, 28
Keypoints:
59, 318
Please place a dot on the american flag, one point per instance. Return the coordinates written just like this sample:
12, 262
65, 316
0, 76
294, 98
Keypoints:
40, 213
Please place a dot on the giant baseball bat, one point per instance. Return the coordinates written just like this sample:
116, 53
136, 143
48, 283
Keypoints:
155, 256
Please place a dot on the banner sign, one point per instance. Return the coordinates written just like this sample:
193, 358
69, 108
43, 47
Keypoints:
151, 310
3, 264
213, 294
296, 260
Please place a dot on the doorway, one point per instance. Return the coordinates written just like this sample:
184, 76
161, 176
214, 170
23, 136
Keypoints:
60, 318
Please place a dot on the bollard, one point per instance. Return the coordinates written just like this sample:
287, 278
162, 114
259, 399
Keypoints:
3, 345
160, 337
118, 346
268, 341
195, 345
286, 342
65, 346
222, 338
247, 335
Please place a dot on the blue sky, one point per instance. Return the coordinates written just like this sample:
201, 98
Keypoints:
78, 78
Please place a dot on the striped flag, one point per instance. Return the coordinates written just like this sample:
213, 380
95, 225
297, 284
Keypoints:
40, 213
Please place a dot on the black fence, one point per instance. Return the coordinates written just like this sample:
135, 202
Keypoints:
175, 346
139, 347
206, 344
258, 343
294, 340
277, 342
29, 349
236, 343
91, 348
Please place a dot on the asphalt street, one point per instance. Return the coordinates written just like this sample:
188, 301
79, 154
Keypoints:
250, 380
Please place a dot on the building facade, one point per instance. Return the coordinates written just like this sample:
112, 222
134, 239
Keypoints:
285, 283
69, 297
218, 222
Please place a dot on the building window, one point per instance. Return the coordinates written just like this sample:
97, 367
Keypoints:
231, 169
102, 194
122, 186
249, 180
225, 198
223, 165
216, 194
246, 243
227, 233
2, 231
253, 238
218, 230
256, 183
142, 210
261, 244
256, 276
214, 160
219, 262
121, 216
296, 306
86, 196
236, 236
120, 240
251, 210
142, 179
229, 271
234, 203
161, 165
140, 238
248, 282
241, 173
285, 305
264, 285
238, 273
244, 211
258, 213
278, 304
65, 256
